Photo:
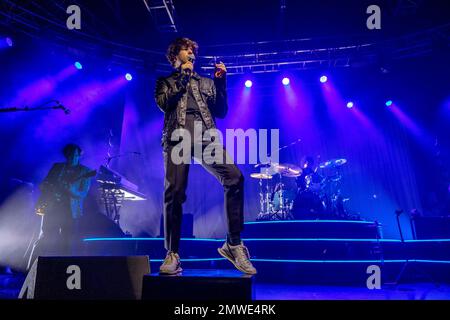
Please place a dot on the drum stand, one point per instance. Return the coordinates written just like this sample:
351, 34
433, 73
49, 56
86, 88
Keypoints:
282, 213
264, 201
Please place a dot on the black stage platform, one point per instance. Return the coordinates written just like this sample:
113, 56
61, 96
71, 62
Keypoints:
199, 284
304, 251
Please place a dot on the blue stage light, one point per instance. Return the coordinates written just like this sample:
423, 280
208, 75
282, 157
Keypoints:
129, 77
350, 105
285, 81
248, 83
389, 103
78, 65
309, 221
323, 79
9, 42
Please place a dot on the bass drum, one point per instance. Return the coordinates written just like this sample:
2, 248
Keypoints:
308, 205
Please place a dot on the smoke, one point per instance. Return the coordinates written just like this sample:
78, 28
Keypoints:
19, 227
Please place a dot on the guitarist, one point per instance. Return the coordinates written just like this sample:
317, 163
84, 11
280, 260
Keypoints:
61, 203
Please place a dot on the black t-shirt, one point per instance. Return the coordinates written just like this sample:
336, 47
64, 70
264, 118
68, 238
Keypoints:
192, 106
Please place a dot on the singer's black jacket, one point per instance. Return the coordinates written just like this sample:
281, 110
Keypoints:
171, 98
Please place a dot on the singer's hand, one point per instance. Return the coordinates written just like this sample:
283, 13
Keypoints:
187, 66
220, 68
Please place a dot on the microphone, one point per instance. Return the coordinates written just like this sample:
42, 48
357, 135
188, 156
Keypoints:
191, 58
60, 106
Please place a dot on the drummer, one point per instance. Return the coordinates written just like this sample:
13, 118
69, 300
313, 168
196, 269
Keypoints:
308, 168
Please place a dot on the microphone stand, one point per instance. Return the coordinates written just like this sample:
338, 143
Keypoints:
290, 144
108, 159
398, 212
57, 105
404, 249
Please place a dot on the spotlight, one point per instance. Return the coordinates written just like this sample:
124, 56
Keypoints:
129, 77
389, 103
285, 81
323, 79
350, 105
9, 42
248, 83
78, 65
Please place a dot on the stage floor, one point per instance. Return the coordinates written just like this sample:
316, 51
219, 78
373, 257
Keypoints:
278, 291
413, 291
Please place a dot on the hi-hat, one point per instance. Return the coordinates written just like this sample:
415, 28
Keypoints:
261, 176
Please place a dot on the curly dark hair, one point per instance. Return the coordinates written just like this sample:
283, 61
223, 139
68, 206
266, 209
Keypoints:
175, 47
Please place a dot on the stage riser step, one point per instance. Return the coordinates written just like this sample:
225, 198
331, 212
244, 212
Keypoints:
271, 249
328, 273
347, 273
312, 229
262, 249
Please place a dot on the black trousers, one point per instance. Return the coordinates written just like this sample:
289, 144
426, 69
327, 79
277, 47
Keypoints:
59, 233
176, 177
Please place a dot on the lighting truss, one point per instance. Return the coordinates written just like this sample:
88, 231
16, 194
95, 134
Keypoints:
318, 53
163, 14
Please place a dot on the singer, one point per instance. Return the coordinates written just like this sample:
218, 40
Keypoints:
185, 97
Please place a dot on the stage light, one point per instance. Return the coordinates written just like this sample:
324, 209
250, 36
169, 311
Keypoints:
78, 65
285, 81
350, 105
6, 42
323, 79
389, 103
129, 77
248, 83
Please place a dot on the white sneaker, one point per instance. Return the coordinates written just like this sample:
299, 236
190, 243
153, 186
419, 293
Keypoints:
171, 264
239, 256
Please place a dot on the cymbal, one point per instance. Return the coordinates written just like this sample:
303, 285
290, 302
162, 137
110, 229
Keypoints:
340, 162
261, 176
288, 170
333, 163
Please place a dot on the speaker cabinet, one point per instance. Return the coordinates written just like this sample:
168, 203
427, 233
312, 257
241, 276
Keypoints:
199, 285
86, 278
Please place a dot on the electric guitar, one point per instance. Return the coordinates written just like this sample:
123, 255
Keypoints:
53, 193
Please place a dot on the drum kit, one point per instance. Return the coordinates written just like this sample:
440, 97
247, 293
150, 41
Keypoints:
289, 192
